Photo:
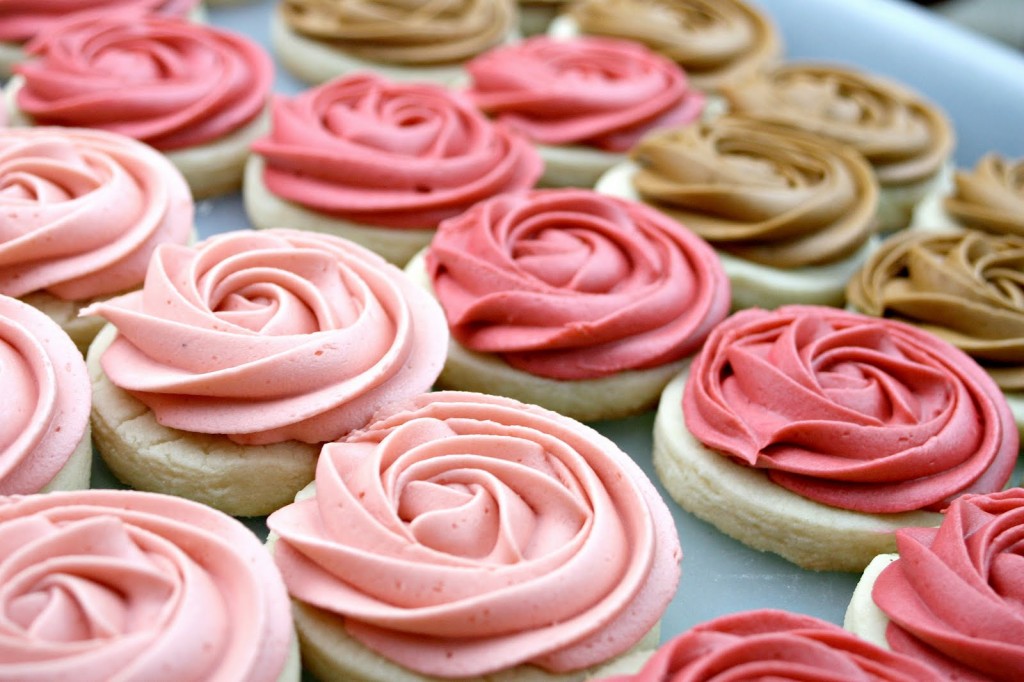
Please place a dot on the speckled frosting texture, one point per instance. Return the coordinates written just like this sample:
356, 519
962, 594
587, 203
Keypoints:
768, 644
990, 196
965, 287
458, 535
591, 91
856, 412
82, 210
762, 192
273, 335
955, 598
21, 20
572, 284
167, 82
101, 585
390, 154
46, 399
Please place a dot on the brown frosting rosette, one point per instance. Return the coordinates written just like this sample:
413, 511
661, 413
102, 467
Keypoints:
991, 197
765, 193
967, 288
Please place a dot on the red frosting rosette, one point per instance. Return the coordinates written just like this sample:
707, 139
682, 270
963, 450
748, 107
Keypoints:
166, 82
768, 644
21, 20
855, 412
955, 596
390, 154
592, 91
572, 284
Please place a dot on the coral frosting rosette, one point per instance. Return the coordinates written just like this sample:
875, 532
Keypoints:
24, 19
461, 534
104, 585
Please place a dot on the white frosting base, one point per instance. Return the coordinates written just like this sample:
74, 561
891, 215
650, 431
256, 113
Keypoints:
575, 165
10, 54
930, 214
897, 204
863, 617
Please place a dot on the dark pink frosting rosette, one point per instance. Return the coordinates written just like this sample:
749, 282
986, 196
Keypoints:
855, 412
572, 284
390, 154
21, 20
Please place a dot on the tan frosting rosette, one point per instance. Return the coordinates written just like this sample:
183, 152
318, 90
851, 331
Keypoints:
990, 197
462, 534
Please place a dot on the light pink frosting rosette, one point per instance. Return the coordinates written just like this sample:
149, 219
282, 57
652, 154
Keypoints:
104, 585
46, 398
21, 20
955, 596
600, 92
390, 154
572, 284
167, 82
461, 534
273, 335
81, 211
852, 411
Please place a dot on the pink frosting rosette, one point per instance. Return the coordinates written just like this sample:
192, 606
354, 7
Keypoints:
775, 645
104, 585
572, 284
81, 211
852, 411
273, 335
46, 398
21, 20
955, 596
461, 534
390, 154
164, 81
600, 92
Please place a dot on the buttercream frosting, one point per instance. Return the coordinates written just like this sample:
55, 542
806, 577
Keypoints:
46, 398
954, 597
390, 154
590, 91
167, 82
852, 411
765, 193
21, 20
272, 335
572, 284
990, 196
104, 585
768, 644
411, 32
460, 534
906, 138
82, 210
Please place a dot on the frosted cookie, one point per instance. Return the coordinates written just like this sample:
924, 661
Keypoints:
410, 40
815, 433
193, 92
457, 536
791, 215
579, 302
115, 584
966, 287
951, 597
907, 139
583, 102
220, 380
82, 212
380, 163
45, 440
988, 197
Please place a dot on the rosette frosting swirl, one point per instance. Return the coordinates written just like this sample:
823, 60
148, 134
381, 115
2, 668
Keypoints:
715, 41
460, 534
21, 20
765, 193
572, 284
390, 154
906, 138
591, 91
167, 82
411, 32
82, 210
990, 197
104, 585
967, 288
955, 598
768, 644
852, 411
46, 398
272, 336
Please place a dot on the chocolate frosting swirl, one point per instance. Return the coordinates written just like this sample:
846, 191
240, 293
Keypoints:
991, 197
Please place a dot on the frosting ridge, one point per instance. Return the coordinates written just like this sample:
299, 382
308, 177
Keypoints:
24, 19
990, 197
